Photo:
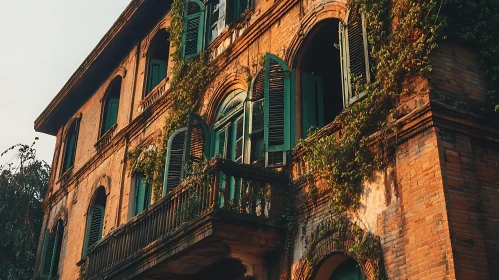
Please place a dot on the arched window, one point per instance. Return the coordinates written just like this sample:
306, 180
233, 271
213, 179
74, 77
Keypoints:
95, 220
326, 74
228, 131
52, 252
111, 106
347, 270
355, 55
186, 145
143, 190
157, 60
271, 93
70, 143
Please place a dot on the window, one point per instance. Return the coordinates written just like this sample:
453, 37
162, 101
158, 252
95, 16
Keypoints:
188, 144
219, 14
70, 143
52, 252
271, 91
142, 194
355, 55
223, 13
95, 220
111, 106
349, 269
319, 72
192, 37
326, 73
157, 60
174, 160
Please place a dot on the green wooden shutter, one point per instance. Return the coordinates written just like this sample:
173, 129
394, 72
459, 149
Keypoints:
95, 221
312, 102
156, 73
111, 114
192, 36
197, 143
140, 194
48, 254
57, 250
71, 142
277, 111
257, 107
174, 160
357, 58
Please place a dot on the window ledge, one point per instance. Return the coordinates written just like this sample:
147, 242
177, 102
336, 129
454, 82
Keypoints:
105, 139
155, 94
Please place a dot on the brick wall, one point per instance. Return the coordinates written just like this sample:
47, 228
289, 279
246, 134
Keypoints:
435, 208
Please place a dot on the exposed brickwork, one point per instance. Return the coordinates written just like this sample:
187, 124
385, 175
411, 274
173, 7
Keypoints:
435, 208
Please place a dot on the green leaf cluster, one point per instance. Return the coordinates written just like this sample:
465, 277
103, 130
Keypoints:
23, 184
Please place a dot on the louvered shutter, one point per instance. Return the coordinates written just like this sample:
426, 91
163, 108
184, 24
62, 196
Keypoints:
57, 250
94, 227
48, 253
277, 111
174, 160
71, 142
355, 52
192, 36
197, 140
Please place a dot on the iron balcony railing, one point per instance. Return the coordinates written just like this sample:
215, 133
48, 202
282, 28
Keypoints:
240, 190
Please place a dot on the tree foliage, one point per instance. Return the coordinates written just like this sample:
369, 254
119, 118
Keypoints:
23, 183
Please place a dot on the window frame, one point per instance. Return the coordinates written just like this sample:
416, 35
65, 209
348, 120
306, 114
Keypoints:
72, 129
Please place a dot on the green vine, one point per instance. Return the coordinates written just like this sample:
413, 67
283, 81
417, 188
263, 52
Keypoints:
188, 81
402, 35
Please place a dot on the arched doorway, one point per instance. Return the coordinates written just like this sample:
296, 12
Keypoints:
319, 77
338, 267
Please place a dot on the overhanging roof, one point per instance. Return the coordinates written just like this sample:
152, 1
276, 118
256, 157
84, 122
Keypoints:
139, 17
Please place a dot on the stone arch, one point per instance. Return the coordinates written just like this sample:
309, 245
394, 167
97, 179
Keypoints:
62, 215
161, 27
103, 181
74, 120
118, 73
323, 10
231, 82
340, 236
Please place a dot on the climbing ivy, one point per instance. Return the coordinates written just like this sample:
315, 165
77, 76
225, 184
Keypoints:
402, 35
188, 81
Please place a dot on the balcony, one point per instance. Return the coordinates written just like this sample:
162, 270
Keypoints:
155, 94
196, 226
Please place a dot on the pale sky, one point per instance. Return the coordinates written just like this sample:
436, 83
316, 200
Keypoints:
42, 43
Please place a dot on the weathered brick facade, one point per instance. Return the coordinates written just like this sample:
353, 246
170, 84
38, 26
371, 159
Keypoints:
435, 208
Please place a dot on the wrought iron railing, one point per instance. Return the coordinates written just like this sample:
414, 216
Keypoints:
240, 190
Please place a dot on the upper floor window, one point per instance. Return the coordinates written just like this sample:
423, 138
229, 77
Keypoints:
111, 106
327, 76
219, 14
159, 54
228, 130
95, 220
70, 143
52, 252
192, 37
223, 13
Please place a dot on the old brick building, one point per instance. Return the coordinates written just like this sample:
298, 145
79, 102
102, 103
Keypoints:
434, 210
